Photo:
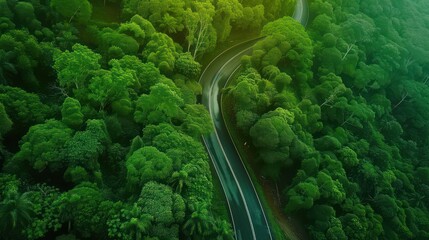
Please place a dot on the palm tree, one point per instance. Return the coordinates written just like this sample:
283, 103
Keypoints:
16, 212
223, 230
179, 180
200, 223
139, 223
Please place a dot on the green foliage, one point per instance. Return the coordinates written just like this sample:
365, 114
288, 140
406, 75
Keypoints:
85, 208
273, 135
130, 223
161, 51
73, 10
187, 66
83, 151
74, 68
46, 213
5, 122
302, 196
199, 225
146, 74
71, 113
42, 148
16, 212
161, 105
111, 40
166, 208
197, 121
21, 55
147, 164
110, 86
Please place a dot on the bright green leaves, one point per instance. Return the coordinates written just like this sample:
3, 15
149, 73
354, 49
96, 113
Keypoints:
118, 44
145, 74
287, 34
166, 208
197, 121
147, 164
83, 152
273, 136
75, 67
42, 147
161, 105
201, 36
129, 223
227, 11
71, 113
348, 157
46, 213
330, 190
161, 51
73, 10
111, 85
187, 66
302, 196
273, 130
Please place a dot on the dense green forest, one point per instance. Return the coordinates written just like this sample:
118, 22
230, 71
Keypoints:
100, 123
338, 116
100, 130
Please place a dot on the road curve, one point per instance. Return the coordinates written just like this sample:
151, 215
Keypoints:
248, 217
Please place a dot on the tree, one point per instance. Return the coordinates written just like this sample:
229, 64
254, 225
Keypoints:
330, 190
147, 164
166, 16
111, 85
357, 28
42, 147
348, 157
129, 223
197, 121
179, 180
71, 113
74, 68
145, 74
73, 10
302, 195
16, 213
24, 14
46, 215
83, 151
23, 55
226, 12
200, 223
166, 208
85, 210
161, 51
252, 19
23, 108
198, 23
187, 66
223, 230
273, 136
162, 105
7, 67
112, 40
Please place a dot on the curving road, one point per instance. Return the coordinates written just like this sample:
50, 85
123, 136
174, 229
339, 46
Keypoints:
248, 217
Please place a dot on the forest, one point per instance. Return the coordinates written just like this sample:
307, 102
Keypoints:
100, 126
100, 121
337, 114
